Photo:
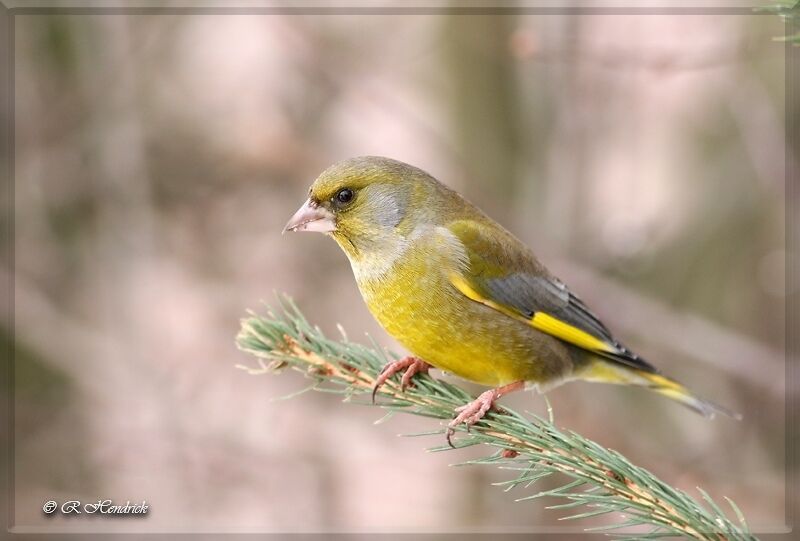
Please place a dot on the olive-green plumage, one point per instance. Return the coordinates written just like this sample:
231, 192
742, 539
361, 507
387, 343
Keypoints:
458, 290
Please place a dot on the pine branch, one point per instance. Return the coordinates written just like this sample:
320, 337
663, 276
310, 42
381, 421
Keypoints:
601, 481
789, 11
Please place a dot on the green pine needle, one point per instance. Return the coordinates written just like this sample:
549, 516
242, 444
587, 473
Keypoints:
789, 11
599, 481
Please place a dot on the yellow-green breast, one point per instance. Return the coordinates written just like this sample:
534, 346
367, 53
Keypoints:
414, 300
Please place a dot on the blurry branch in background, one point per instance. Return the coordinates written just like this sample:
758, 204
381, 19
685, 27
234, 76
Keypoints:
789, 11
600, 481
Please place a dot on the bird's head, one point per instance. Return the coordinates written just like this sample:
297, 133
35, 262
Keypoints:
365, 203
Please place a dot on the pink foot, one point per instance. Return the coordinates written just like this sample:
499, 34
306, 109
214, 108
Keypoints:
471, 413
411, 365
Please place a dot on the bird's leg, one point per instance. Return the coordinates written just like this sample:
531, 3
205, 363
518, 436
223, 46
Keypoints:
411, 365
471, 413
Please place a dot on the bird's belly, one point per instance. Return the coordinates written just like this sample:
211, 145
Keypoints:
426, 314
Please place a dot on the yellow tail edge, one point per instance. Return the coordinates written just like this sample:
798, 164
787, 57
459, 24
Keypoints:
608, 372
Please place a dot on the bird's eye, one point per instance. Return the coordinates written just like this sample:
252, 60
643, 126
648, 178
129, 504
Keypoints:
345, 195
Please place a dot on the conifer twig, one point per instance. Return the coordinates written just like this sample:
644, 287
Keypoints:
600, 481
789, 11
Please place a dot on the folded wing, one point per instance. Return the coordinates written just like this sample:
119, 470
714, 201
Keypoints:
504, 275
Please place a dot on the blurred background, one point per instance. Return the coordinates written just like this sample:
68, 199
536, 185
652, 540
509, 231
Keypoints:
157, 158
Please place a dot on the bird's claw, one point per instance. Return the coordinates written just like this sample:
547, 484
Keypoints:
471, 413
411, 365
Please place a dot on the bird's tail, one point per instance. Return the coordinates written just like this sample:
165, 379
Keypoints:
606, 371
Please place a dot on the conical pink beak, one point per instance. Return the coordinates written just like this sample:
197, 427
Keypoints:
312, 217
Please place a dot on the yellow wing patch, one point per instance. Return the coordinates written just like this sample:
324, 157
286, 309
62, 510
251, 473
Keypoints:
568, 333
540, 321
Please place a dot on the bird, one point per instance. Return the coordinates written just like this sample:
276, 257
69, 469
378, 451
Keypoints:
463, 294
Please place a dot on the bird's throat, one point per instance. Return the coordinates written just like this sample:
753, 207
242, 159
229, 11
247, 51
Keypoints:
372, 257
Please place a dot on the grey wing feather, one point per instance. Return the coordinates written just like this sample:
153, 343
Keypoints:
530, 294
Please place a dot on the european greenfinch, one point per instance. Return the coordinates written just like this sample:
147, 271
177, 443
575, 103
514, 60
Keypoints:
461, 293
